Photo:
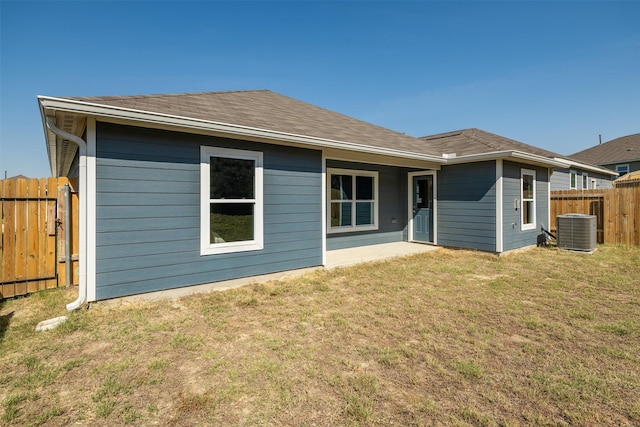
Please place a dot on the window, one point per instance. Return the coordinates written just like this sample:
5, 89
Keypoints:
585, 181
594, 184
353, 200
573, 180
528, 197
622, 169
231, 201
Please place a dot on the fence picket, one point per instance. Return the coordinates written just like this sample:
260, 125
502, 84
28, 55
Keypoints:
9, 238
52, 262
21, 239
33, 194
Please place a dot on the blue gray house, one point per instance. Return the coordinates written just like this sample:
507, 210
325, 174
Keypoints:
191, 189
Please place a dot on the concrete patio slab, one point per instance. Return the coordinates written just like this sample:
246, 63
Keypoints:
350, 256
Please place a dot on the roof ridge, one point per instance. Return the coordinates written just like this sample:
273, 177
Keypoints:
473, 136
442, 135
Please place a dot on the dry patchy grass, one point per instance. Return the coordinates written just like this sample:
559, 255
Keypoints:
542, 337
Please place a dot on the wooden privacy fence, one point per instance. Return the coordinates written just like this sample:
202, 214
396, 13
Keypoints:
617, 211
32, 243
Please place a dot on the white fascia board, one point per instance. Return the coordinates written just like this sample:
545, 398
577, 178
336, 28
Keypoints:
112, 112
506, 155
573, 164
535, 159
50, 142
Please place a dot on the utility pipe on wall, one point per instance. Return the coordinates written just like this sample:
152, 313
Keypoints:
82, 148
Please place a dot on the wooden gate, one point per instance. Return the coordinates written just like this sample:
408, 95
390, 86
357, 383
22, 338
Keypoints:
32, 219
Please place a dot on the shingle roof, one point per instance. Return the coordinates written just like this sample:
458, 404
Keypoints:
475, 141
263, 109
623, 149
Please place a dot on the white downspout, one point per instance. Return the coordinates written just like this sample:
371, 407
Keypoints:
82, 147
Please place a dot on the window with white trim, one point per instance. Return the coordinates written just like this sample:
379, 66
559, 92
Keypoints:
352, 199
573, 180
585, 181
528, 197
622, 169
231, 202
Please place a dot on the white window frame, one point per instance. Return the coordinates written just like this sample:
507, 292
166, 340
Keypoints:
622, 169
353, 227
206, 247
585, 181
573, 180
532, 225
594, 184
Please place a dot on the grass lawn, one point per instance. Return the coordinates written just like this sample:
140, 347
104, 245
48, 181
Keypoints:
542, 337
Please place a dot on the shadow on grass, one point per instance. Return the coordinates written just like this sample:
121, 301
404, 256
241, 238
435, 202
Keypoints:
4, 324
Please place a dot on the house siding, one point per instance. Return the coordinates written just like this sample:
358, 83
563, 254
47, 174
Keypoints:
513, 236
633, 165
560, 179
467, 206
392, 206
148, 212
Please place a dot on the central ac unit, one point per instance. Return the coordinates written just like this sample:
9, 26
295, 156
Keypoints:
577, 232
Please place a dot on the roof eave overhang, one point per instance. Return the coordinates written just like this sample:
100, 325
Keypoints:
591, 168
50, 142
619, 162
516, 156
160, 120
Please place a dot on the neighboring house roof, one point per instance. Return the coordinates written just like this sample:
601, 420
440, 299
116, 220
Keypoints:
475, 142
619, 150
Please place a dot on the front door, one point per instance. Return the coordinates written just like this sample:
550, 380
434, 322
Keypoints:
423, 208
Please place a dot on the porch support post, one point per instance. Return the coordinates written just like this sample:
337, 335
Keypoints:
323, 210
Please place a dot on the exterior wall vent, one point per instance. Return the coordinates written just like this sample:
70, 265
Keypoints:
577, 232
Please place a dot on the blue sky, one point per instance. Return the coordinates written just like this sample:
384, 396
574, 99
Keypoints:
548, 73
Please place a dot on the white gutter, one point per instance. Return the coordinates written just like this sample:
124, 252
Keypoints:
161, 119
82, 148
517, 155
572, 163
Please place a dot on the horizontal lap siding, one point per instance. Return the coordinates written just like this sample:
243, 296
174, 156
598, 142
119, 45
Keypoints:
513, 236
560, 179
392, 206
467, 206
633, 166
148, 212
602, 181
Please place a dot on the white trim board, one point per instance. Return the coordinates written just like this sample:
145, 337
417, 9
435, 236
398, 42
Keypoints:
91, 218
499, 207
